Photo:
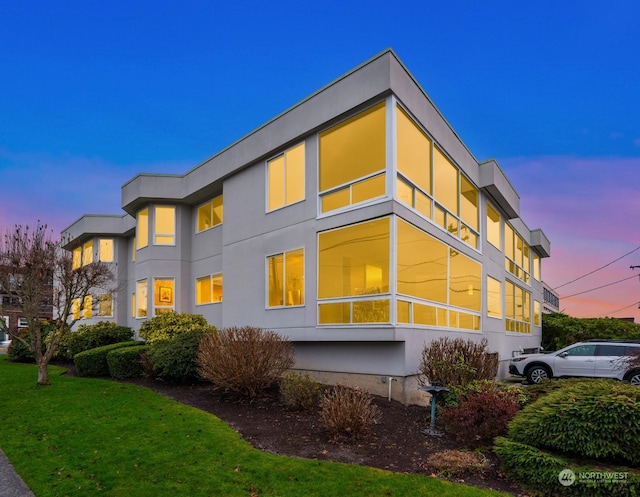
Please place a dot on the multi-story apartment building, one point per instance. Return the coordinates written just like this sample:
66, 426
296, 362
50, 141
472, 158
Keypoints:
356, 223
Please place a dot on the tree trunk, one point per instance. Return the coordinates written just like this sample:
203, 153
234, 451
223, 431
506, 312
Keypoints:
43, 372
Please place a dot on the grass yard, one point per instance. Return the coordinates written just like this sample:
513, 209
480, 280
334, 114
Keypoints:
84, 436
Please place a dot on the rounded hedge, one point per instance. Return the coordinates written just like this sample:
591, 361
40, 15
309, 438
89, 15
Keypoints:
168, 325
597, 419
126, 362
90, 336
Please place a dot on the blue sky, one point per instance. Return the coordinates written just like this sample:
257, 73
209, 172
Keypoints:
93, 93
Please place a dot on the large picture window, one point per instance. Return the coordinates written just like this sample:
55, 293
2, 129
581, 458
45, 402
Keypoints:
163, 295
286, 278
353, 160
285, 178
210, 214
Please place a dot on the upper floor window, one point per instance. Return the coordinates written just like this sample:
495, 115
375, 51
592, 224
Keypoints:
76, 258
142, 228
210, 214
285, 178
164, 225
493, 227
105, 253
353, 160
87, 253
536, 266
286, 278
516, 254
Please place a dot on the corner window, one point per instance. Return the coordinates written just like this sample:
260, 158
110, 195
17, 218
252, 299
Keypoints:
209, 289
493, 227
141, 299
142, 228
210, 214
105, 253
285, 178
163, 295
165, 225
353, 160
286, 278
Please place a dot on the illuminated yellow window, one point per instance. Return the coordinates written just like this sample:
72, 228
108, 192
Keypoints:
75, 309
468, 203
141, 299
536, 266
286, 278
87, 307
354, 260
403, 311
445, 183
353, 149
165, 225
105, 253
421, 264
494, 298
493, 227
517, 303
285, 178
87, 253
142, 228
370, 311
209, 289
536, 313
76, 258
163, 295
210, 213
133, 305
334, 313
465, 284
105, 305
413, 151
426, 315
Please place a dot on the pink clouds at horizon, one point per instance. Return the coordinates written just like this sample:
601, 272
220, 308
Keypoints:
589, 208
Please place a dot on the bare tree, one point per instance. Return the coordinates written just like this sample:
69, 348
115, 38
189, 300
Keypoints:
33, 268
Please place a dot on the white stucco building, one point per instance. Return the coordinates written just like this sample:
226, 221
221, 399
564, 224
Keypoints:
356, 223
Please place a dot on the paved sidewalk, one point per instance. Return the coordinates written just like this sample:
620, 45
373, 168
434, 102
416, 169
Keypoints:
11, 485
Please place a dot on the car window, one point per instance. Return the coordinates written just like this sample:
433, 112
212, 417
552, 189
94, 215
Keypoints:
611, 350
581, 350
632, 350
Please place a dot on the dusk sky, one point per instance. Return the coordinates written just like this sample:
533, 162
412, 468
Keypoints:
93, 93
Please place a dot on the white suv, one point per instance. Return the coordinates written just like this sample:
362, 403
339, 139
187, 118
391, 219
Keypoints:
591, 358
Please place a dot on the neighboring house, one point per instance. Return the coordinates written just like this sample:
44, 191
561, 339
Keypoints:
12, 314
550, 299
356, 223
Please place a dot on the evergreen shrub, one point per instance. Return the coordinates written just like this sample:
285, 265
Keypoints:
94, 362
299, 391
176, 359
170, 324
125, 362
90, 336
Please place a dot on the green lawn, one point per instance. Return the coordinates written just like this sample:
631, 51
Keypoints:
84, 436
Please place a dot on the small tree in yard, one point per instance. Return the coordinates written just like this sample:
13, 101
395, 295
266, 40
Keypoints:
30, 263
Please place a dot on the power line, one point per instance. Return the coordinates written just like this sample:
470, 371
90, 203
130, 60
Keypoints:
598, 288
627, 307
596, 270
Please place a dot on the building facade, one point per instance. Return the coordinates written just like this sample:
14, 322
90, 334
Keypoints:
355, 223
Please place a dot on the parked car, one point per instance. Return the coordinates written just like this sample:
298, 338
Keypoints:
591, 358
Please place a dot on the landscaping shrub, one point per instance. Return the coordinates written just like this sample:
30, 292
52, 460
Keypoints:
347, 411
539, 472
299, 391
175, 359
125, 362
448, 362
244, 360
520, 393
170, 324
90, 336
593, 418
450, 463
480, 416
94, 362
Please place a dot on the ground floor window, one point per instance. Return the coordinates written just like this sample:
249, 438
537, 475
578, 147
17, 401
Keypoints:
209, 289
285, 278
163, 295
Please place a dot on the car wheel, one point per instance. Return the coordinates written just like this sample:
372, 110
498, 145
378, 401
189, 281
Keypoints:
536, 374
633, 377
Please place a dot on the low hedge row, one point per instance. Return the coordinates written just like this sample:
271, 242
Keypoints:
540, 472
94, 362
125, 362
